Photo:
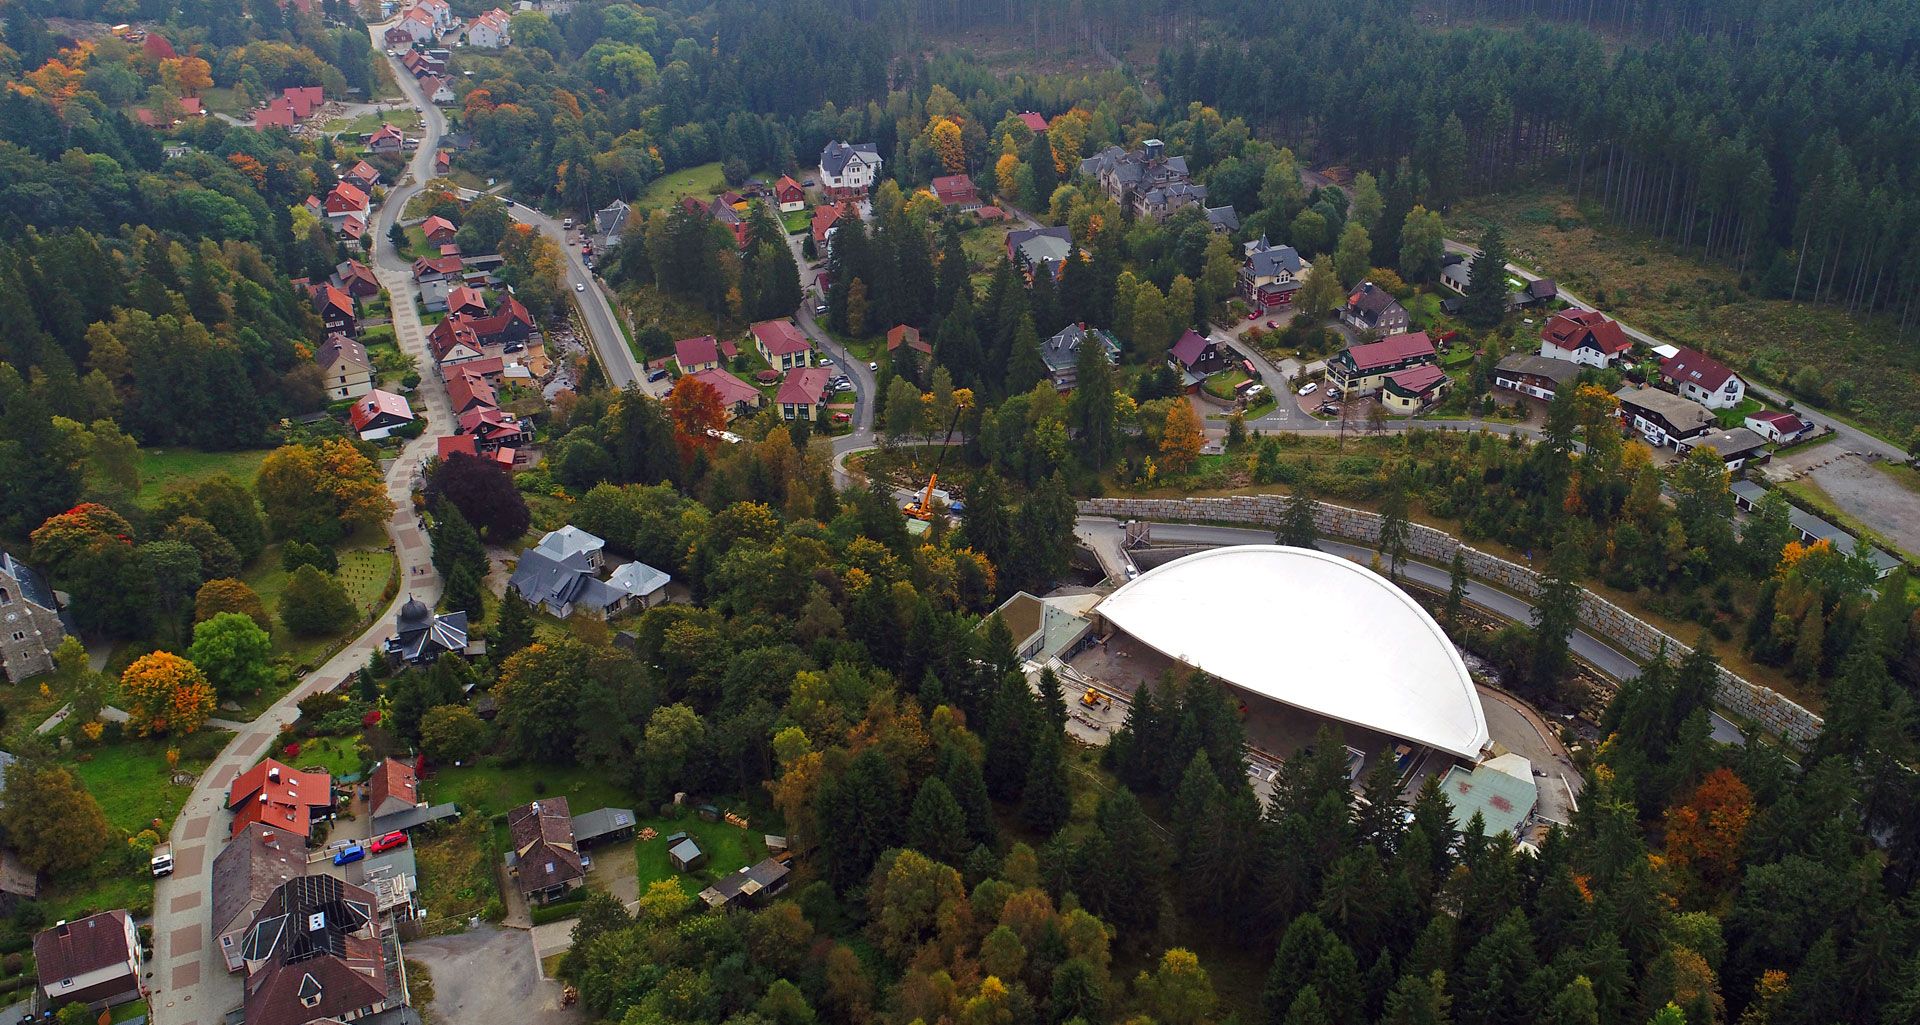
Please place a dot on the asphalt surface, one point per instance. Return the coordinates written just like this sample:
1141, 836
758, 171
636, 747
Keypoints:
489, 974
1585, 646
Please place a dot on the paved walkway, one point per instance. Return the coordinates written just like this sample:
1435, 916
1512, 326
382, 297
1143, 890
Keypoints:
187, 974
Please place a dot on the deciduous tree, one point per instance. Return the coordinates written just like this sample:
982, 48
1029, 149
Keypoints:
314, 604
1180, 445
50, 819
165, 694
234, 652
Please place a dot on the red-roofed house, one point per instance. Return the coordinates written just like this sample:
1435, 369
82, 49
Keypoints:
696, 354
467, 391
356, 279
279, 795
736, 396
438, 229
192, 107
335, 308
459, 444
512, 324
465, 301
362, 174
1703, 379
442, 162
394, 787
346, 200
304, 100
1033, 121
490, 31
437, 268
146, 117
93, 961
802, 393
1780, 428
1583, 336
823, 221
1415, 388
351, 228
789, 195
399, 36
274, 115
375, 416
386, 139
909, 336
1362, 369
782, 345
453, 342
956, 192
417, 24
491, 428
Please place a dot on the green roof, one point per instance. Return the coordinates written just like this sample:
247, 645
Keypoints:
1503, 801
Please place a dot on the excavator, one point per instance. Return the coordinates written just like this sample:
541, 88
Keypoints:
922, 507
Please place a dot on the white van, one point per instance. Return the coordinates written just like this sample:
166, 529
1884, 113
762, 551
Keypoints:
1310, 387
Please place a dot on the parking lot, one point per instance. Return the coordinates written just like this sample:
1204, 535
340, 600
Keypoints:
489, 974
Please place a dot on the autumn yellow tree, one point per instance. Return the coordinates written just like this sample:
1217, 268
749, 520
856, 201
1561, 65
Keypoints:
165, 694
1006, 174
186, 76
943, 136
311, 491
1180, 444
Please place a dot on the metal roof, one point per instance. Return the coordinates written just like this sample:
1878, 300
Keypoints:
1310, 630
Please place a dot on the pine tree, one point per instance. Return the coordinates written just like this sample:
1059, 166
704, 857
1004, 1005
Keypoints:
1393, 525
1307, 1009
1025, 368
1555, 614
513, 631
1011, 737
1053, 700
1456, 587
1298, 529
1485, 303
1048, 801
1419, 1000
936, 826
1090, 409
1046, 176
463, 594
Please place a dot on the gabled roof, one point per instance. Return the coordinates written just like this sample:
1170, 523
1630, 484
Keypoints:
363, 172
346, 196
1682, 414
1390, 350
316, 943
458, 444
339, 348
955, 188
442, 265
1268, 261
437, 225
353, 272
304, 99
1732, 443
837, 155
377, 404
824, 217
326, 297
1190, 347
803, 387
1223, 217
1034, 121
85, 945
781, 338
451, 333
1416, 380
908, 335
543, 844
279, 795
549, 577
691, 352
1371, 301
1785, 423
1062, 351
32, 588
393, 780
385, 133
786, 186
1691, 366
1589, 329
1559, 371
256, 861
733, 390
465, 391
462, 297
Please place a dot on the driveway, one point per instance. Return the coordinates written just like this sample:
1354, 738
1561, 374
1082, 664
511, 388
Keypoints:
489, 974
1872, 497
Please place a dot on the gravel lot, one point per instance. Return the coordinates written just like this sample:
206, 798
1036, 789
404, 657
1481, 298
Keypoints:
488, 974
1873, 498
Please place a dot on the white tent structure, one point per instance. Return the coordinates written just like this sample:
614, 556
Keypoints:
1309, 630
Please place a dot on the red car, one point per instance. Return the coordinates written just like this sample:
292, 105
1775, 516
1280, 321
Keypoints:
388, 842
1271, 325
841, 418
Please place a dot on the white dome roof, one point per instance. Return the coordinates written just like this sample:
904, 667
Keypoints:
1310, 630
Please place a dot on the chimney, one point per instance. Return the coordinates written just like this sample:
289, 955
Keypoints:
273, 773
263, 798
61, 927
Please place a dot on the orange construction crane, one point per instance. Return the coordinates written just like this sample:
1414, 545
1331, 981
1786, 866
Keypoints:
922, 507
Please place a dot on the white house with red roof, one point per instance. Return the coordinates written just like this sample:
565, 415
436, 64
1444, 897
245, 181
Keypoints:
1705, 380
377, 415
1778, 427
1363, 369
802, 393
439, 11
782, 345
736, 396
490, 31
386, 139
346, 200
696, 354
1587, 337
789, 194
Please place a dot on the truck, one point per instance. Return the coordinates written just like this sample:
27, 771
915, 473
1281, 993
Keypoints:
162, 860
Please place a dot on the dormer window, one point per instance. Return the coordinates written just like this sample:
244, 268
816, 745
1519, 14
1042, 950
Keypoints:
309, 992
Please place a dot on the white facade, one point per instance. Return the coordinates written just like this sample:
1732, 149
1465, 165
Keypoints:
1727, 396
1311, 630
1586, 356
490, 31
861, 167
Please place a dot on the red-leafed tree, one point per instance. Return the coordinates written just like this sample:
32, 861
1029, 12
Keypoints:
1705, 832
694, 406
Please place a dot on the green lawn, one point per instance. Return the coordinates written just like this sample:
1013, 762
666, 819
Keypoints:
985, 247
1736, 416
728, 848
797, 221
363, 571
456, 873
366, 123
161, 469
1221, 385
130, 779
702, 182
491, 788
339, 756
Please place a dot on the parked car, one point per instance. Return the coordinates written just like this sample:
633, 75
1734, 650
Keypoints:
389, 842
820, 310
656, 375
875, 367
1310, 387
1328, 408
1272, 326
841, 418
349, 854
579, 287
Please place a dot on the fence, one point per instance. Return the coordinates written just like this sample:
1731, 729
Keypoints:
1762, 707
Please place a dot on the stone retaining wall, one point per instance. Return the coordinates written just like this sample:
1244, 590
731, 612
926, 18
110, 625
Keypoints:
1762, 707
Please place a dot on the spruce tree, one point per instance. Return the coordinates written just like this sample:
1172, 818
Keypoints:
936, 826
463, 594
1053, 700
1485, 303
513, 631
1048, 800
1046, 176
1298, 529
968, 787
1456, 587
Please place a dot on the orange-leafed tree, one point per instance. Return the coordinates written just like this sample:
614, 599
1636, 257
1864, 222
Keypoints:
165, 694
230, 594
1181, 443
694, 406
1705, 832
